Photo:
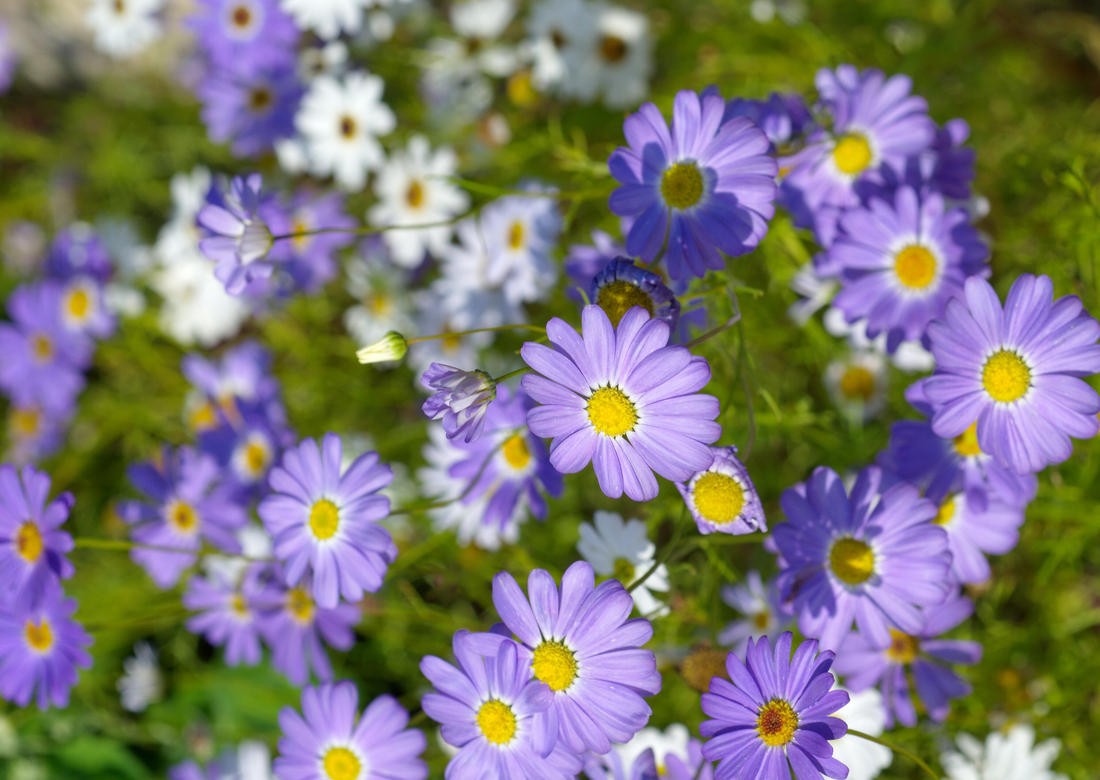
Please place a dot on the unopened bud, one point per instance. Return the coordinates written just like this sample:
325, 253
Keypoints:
392, 346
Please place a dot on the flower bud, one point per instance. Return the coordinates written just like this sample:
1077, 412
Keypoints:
392, 346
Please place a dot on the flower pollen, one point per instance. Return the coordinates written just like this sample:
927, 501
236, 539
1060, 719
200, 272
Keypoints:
25, 422
41, 347
38, 636
618, 297
682, 185
515, 451
414, 195
181, 516
341, 764
852, 561
946, 511
903, 647
78, 303
966, 443
516, 235
852, 154
555, 665
324, 519
300, 606
777, 723
612, 48
611, 412
857, 384
1006, 377
718, 497
347, 127
497, 722
915, 267
28, 542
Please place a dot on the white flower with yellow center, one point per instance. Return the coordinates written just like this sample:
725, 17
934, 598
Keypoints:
124, 27
764, 615
1010, 754
617, 62
622, 550
857, 384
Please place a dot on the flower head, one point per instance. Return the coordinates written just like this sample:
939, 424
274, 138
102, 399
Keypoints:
142, 682
78, 250
623, 551
227, 614
308, 259
857, 384
722, 497
241, 238
461, 400
613, 62
784, 118
32, 544
35, 432
328, 18
124, 28
676, 755
1010, 754
252, 112
520, 232
765, 614
245, 36
621, 285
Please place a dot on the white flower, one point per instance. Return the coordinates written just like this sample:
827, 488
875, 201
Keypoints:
864, 759
520, 232
857, 384
328, 18
816, 292
255, 543
910, 356
124, 27
413, 190
560, 32
1006, 756
253, 761
292, 154
340, 122
759, 603
623, 551
480, 23
617, 62
433, 317
384, 303
328, 60
464, 285
673, 741
142, 684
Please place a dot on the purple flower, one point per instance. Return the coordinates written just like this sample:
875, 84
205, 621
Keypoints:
246, 442
78, 250
873, 557
946, 167
782, 117
623, 398
242, 238
32, 544
333, 740
762, 607
252, 111
714, 181
41, 647
929, 659
308, 259
34, 432
245, 36
622, 285
9, 59
461, 400
1016, 371
43, 360
83, 309
244, 374
490, 708
227, 615
775, 709
583, 261
579, 640
614, 767
722, 497
900, 261
993, 529
326, 522
186, 505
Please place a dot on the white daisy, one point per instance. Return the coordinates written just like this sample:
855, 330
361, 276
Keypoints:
142, 683
617, 63
253, 761
864, 712
413, 190
340, 122
1011, 755
675, 743
479, 23
910, 356
124, 27
328, 60
384, 302
857, 384
328, 18
560, 31
464, 283
433, 317
816, 292
520, 232
623, 551
763, 614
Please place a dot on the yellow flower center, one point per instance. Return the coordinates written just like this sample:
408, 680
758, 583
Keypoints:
24, 422
259, 99
623, 571
516, 452
852, 561
238, 605
515, 235
852, 154
497, 722
38, 636
702, 665
341, 764
28, 542
617, 298
347, 127
520, 89
555, 665
255, 456
776, 723
760, 620
324, 519
300, 605
915, 267
41, 347
380, 305
857, 384
682, 185
78, 303
203, 418
181, 516
414, 195
966, 443
611, 412
903, 648
612, 48
718, 497
1006, 376
946, 511
300, 230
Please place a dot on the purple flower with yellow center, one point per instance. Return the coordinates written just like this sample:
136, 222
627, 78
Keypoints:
43, 360
489, 706
782, 117
622, 398
245, 36
227, 615
873, 557
325, 520
1017, 371
461, 399
763, 610
308, 259
35, 433
722, 497
928, 659
241, 238
622, 285
334, 742
186, 504
706, 184
946, 167
83, 309
580, 641
772, 718
78, 250
41, 647
246, 442
32, 544
252, 112
242, 374
972, 532
900, 261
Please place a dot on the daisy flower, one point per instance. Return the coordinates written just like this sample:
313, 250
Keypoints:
722, 497
245, 36
770, 717
559, 31
328, 18
461, 399
615, 63
35, 433
246, 440
623, 398
464, 286
972, 533
412, 189
227, 615
865, 759
585, 261
623, 551
857, 384
308, 259
621, 285
383, 300
784, 118
334, 742
32, 544
340, 121
1017, 371
124, 27
873, 557
520, 232
83, 308
242, 374
325, 520
240, 237
676, 755
252, 112
708, 186
762, 607
142, 683
1011, 754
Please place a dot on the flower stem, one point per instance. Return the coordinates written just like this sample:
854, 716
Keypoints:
712, 333
364, 231
125, 545
896, 749
664, 553
418, 339
511, 374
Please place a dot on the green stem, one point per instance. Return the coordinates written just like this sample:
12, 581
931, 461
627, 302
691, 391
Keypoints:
488, 189
364, 231
712, 333
124, 545
418, 339
664, 554
511, 374
896, 749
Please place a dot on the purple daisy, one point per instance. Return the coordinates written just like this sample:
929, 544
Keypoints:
227, 615
241, 237
490, 708
32, 544
461, 400
308, 259
763, 610
83, 308
622, 285
874, 557
584, 261
784, 118
927, 658
334, 742
901, 261
722, 497
972, 532
78, 250
946, 167
245, 36
1016, 371
772, 718
613, 766
246, 441
34, 432
252, 112
243, 374
624, 398
187, 504
325, 520
708, 186
41, 647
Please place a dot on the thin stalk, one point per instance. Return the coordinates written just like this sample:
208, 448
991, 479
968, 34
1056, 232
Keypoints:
418, 339
511, 374
124, 545
664, 553
364, 231
896, 749
712, 333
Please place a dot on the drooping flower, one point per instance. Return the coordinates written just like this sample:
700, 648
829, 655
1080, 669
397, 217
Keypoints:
324, 520
245, 36
873, 557
708, 186
461, 400
227, 615
773, 717
1011, 754
762, 607
32, 544
520, 232
613, 65
623, 398
857, 384
865, 759
251, 112
676, 755
124, 28
1017, 371
722, 497
241, 238
333, 742
142, 683
621, 285
623, 551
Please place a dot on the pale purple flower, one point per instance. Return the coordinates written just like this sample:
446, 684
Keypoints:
461, 400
